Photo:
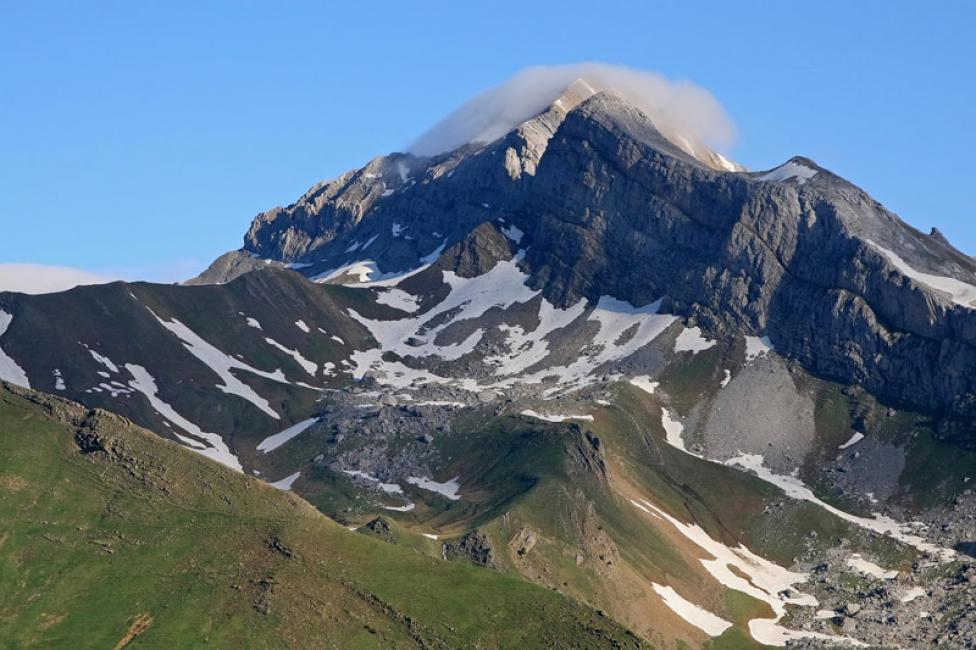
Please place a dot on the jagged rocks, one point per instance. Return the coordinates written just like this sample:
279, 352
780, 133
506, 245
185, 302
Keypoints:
587, 451
379, 527
474, 547
88, 441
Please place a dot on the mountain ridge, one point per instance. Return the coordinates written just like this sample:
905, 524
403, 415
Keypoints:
773, 224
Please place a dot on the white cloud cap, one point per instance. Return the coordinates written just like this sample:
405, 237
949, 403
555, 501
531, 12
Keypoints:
679, 109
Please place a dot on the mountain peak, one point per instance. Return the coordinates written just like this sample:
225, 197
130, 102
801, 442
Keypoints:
575, 93
686, 114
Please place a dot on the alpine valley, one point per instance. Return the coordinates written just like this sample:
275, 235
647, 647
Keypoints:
581, 383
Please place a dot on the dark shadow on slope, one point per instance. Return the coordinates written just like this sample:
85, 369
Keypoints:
966, 548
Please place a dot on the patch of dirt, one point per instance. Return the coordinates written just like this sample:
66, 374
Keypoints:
141, 623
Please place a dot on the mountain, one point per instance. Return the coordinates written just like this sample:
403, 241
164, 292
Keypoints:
836, 281
588, 355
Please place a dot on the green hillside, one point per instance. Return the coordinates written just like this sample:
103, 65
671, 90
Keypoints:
111, 536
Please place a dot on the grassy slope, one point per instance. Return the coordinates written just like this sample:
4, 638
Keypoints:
148, 539
594, 545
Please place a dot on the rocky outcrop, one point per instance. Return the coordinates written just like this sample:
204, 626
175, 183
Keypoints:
474, 547
230, 266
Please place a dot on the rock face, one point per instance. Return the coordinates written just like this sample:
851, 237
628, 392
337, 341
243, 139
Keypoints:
604, 205
798, 261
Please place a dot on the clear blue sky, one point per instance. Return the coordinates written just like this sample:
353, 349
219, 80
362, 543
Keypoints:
140, 138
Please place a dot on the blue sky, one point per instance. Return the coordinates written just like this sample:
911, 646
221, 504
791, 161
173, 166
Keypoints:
138, 139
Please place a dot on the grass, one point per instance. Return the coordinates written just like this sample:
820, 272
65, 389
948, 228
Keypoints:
149, 542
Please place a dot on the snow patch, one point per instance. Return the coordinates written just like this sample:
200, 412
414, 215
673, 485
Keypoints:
961, 292
300, 324
615, 318
273, 442
870, 569
527, 348
672, 430
502, 286
406, 508
514, 233
792, 169
389, 488
555, 418
644, 383
704, 620
879, 524
691, 340
368, 274
9, 370
309, 366
222, 364
764, 581
757, 346
105, 361
450, 489
144, 383
398, 299
856, 438
912, 594
287, 482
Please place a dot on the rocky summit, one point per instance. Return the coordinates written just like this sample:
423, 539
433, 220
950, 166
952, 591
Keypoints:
587, 360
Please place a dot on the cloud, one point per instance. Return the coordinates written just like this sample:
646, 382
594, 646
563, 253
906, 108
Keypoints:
679, 109
44, 278
40, 278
